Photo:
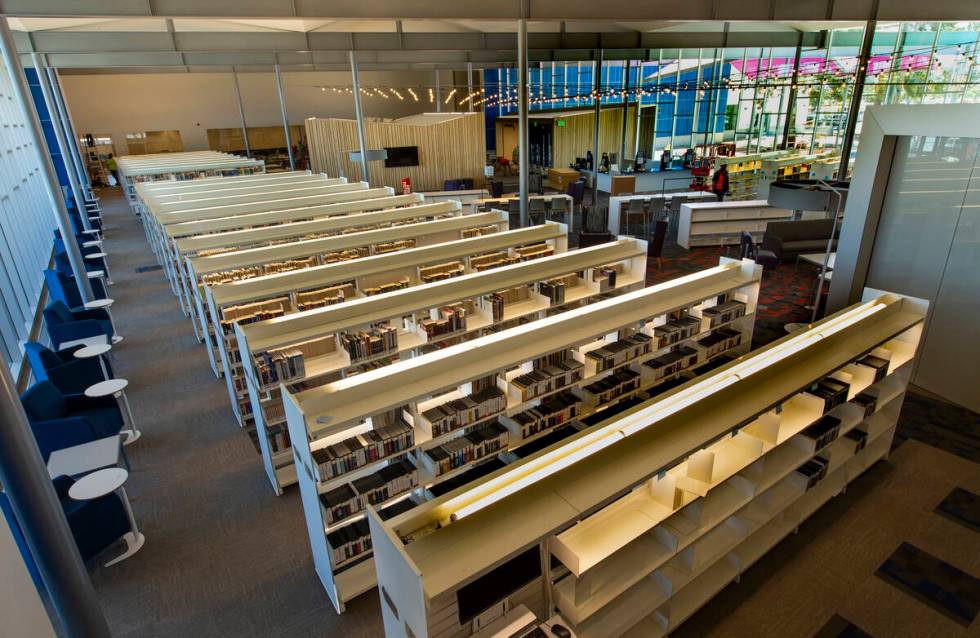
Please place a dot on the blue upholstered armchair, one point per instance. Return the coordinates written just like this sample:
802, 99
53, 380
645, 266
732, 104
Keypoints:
96, 524
62, 420
69, 374
65, 325
62, 287
63, 265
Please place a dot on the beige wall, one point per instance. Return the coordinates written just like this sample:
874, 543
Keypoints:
576, 137
192, 103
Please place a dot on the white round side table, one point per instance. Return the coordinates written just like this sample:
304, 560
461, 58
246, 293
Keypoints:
116, 388
105, 304
95, 351
100, 483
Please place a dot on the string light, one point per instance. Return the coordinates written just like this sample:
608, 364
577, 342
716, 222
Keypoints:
449, 97
412, 93
432, 98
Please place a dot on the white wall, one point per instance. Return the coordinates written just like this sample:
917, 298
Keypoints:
21, 608
194, 102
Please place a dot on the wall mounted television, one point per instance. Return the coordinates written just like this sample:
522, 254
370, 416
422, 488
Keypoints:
401, 156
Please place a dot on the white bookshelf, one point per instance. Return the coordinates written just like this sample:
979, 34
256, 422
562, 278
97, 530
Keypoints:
721, 223
145, 191
654, 511
181, 166
655, 201
403, 310
294, 246
349, 407
287, 288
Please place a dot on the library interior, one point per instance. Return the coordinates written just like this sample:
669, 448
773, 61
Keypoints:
520, 320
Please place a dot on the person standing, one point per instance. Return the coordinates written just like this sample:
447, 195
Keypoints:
719, 182
110, 163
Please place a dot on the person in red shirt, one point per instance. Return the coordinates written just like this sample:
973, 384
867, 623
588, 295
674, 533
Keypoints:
719, 182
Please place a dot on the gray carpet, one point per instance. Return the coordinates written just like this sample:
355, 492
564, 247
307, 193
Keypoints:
223, 556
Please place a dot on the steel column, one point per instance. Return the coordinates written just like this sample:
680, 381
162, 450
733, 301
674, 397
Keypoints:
438, 93
523, 156
597, 79
469, 86
859, 76
22, 94
790, 106
626, 107
285, 119
241, 113
359, 115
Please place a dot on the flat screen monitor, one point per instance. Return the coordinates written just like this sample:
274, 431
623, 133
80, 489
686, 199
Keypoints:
400, 156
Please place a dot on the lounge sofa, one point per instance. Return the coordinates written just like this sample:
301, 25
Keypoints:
787, 239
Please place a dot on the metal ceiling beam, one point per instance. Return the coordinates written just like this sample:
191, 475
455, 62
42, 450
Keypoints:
556, 10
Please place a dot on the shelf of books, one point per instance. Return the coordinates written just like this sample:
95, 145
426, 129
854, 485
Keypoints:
312, 348
278, 190
181, 166
238, 255
252, 300
246, 264
155, 224
188, 238
722, 223
431, 421
157, 227
631, 524
146, 191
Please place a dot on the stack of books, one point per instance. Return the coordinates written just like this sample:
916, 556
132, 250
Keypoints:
720, 341
320, 298
498, 300
484, 440
388, 482
210, 252
279, 365
831, 391
723, 313
823, 432
387, 439
278, 437
346, 255
393, 246
552, 411
605, 276
364, 344
675, 331
618, 352
880, 366
441, 271
867, 401
340, 458
554, 289
389, 287
534, 251
620, 382
672, 362
451, 319
469, 409
478, 232
250, 313
812, 471
227, 276
340, 503
860, 438
548, 378
290, 264
350, 541
487, 261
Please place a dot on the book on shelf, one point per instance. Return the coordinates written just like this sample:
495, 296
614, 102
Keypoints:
879, 365
344, 255
228, 276
618, 352
279, 365
548, 378
468, 409
386, 439
534, 251
832, 392
350, 541
811, 472
483, 440
449, 320
387, 287
554, 289
867, 401
393, 246
675, 331
823, 432
340, 503
720, 341
496, 301
211, 252
487, 261
369, 343
290, 265
438, 272
606, 276
356, 451
478, 232
252, 312
393, 479
552, 411
328, 296
724, 312
672, 362
620, 382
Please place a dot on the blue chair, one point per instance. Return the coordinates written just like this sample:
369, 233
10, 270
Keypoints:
62, 287
64, 324
61, 420
63, 265
25, 550
96, 524
70, 375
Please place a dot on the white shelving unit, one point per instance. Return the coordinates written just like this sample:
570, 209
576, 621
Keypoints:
654, 511
181, 166
287, 289
721, 223
234, 193
426, 224
655, 201
318, 333
260, 262
346, 410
